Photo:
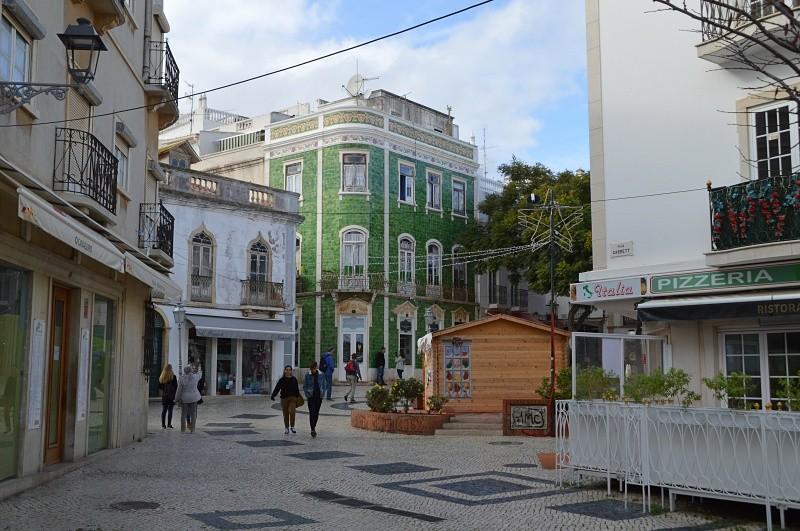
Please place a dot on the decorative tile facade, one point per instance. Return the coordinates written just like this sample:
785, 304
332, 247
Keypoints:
352, 117
430, 139
457, 369
293, 129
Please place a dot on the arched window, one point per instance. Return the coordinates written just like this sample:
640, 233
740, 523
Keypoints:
298, 252
459, 274
259, 262
434, 264
354, 253
407, 261
202, 267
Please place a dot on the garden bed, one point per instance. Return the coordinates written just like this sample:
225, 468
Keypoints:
411, 423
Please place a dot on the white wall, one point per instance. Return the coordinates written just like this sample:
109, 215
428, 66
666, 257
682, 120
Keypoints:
662, 130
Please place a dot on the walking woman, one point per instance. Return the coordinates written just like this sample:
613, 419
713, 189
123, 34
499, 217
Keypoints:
168, 383
290, 393
188, 396
400, 365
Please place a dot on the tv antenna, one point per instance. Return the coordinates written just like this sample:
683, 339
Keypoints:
355, 85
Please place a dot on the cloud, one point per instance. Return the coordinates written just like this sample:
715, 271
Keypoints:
497, 66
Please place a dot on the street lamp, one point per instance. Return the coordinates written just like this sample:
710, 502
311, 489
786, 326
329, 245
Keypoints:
180, 316
82, 46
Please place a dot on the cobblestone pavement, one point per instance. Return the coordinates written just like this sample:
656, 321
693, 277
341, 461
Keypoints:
239, 471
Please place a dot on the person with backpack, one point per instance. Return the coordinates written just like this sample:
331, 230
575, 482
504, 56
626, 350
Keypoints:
380, 365
326, 368
351, 371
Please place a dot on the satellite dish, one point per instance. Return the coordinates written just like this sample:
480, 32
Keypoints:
355, 86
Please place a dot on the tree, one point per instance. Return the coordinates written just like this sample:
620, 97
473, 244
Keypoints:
503, 229
761, 37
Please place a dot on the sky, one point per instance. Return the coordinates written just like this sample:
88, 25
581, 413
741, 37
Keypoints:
514, 68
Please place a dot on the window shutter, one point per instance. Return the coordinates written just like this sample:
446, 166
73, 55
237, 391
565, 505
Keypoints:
79, 112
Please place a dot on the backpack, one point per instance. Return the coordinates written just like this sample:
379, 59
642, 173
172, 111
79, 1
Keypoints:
350, 368
323, 365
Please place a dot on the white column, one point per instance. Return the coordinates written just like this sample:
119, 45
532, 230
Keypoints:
237, 371
385, 248
211, 377
318, 272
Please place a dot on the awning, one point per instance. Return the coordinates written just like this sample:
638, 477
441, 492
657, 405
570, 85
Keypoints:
240, 327
36, 210
734, 305
162, 286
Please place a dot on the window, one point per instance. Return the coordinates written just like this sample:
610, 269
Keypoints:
298, 252
259, 262
774, 140
406, 183
459, 198
783, 350
492, 287
407, 261
434, 264
293, 177
354, 173
514, 294
202, 267
15, 53
743, 355
434, 190
406, 345
122, 167
354, 253
459, 273
457, 369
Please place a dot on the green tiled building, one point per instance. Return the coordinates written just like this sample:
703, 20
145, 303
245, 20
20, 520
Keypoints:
385, 187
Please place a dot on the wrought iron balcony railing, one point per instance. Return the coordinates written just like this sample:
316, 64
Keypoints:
163, 70
201, 288
156, 227
83, 165
719, 18
755, 212
262, 293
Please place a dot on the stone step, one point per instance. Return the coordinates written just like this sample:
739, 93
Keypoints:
469, 433
492, 421
470, 426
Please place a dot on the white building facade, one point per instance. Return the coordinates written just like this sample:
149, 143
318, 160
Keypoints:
235, 263
701, 267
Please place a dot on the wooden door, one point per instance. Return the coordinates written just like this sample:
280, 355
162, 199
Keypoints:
57, 365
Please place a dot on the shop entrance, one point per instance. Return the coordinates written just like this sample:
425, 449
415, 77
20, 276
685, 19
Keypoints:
57, 364
353, 341
154, 348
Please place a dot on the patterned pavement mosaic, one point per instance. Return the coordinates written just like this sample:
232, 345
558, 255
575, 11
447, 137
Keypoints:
239, 471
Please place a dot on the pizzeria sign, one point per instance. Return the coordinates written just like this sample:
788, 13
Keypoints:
728, 279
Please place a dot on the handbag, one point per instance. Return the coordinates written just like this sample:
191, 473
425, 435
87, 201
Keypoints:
299, 401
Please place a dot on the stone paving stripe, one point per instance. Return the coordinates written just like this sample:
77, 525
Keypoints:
483, 487
229, 425
522, 465
703, 527
505, 443
134, 505
355, 503
606, 509
391, 469
323, 456
269, 444
231, 432
221, 519
253, 416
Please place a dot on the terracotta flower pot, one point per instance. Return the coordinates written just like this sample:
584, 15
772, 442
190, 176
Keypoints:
547, 460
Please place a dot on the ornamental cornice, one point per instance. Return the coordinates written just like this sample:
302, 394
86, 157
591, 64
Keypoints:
429, 138
294, 129
350, 117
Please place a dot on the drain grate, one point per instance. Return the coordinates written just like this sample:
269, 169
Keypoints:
134, 505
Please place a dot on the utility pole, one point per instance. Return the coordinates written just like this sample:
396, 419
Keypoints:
552, 304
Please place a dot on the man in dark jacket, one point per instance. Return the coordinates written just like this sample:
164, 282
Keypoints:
380, 364
326, 368
314, 388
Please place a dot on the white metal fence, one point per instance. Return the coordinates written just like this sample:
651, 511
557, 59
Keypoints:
719, 453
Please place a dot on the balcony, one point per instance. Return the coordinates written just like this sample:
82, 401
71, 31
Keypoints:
262, 294
161, 78
201, 288
755, 221
156, 232
724, 26
87, 170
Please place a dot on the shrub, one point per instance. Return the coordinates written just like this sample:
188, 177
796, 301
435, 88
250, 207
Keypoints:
592, 383
437, 402
790, 388
731, 388
379, 399
563, 385
668, 387
407, 391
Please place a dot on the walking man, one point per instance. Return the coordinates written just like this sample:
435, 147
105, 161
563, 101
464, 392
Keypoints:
326, 368
351, 371
314, 387
380, 364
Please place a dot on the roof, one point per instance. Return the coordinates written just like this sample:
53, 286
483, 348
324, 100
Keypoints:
499, 317
184, 143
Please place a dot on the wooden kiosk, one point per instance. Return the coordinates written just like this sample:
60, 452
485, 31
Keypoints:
480, 364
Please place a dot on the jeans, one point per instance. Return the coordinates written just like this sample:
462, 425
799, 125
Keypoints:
288, 406
351, 379
400, 373
329, 384
188, 411
166, 414
313, 411
380, 375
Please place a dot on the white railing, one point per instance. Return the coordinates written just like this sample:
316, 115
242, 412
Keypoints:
721, 453
240, 141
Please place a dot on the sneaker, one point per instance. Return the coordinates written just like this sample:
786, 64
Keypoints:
313, 434
353, 401
293, 430
345, 397
169, 426
286, 431
163, 427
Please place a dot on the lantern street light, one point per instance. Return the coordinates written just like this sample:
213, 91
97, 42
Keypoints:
180, 316
82, 46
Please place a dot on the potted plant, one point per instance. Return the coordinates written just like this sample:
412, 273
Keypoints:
436, 403
407, 391
731, 388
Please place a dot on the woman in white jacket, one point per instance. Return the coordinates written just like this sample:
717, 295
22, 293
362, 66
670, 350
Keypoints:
187, 396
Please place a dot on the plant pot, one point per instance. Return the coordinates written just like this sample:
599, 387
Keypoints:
547, 460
